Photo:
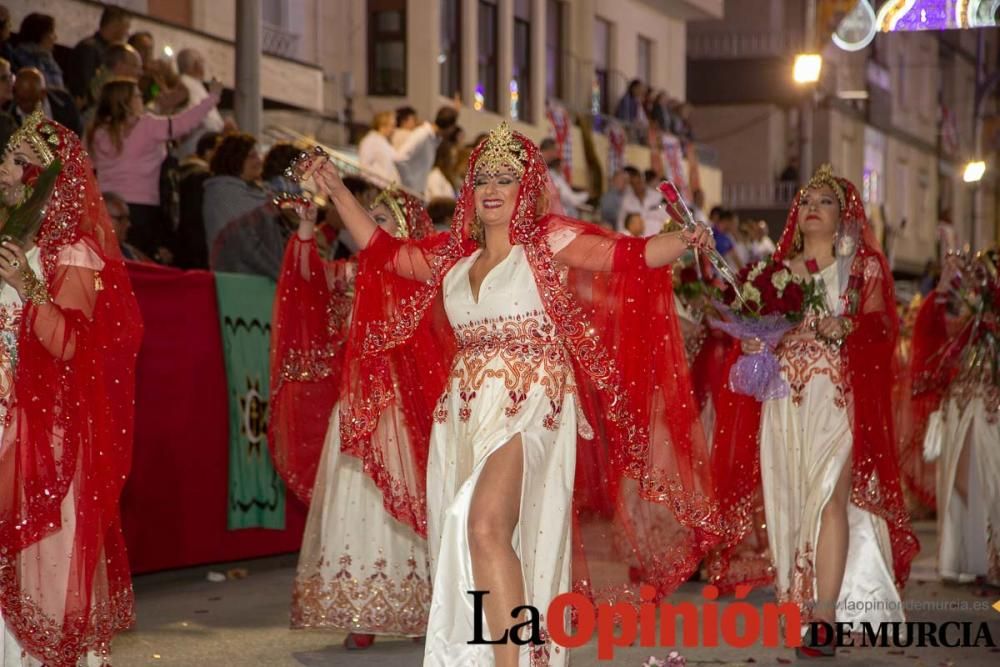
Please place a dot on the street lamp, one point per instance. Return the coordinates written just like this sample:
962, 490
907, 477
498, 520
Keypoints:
807, 67
974, 171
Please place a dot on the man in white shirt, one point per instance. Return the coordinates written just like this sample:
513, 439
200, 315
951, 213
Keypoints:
375, 153
191, 65
644, 200
568, 197
406, 122
415, 158
761, 246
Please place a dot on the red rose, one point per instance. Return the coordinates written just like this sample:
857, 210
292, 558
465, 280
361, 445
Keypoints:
669, 192
793, 298
689, 275
30, 174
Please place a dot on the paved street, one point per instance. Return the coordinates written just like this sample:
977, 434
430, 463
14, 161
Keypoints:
185, 620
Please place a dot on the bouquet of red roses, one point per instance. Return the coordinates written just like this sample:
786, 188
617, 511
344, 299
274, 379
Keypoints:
770, 302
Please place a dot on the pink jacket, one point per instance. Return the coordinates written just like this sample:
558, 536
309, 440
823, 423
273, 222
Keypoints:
134, 174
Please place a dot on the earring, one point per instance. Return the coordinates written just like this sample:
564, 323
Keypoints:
797, 239
476, 230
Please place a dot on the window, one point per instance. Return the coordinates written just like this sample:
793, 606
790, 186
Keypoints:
450, 56
486, 84
602, 67
555, 11
644, 61
387, 47
520, 84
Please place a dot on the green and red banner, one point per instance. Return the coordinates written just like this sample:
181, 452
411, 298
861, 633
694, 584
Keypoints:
256, 492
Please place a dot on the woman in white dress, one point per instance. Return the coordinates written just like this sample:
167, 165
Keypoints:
362, 569
837, 524
69, 335
966, 438
539, 361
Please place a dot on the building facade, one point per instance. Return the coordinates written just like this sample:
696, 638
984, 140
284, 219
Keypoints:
895, 117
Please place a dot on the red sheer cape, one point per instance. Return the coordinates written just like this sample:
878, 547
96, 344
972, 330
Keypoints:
310, 324
868, 354
615, 318
65, 586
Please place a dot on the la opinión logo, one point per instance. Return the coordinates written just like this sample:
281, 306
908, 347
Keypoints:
739, 624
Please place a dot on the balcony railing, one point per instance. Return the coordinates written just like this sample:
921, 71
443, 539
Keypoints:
778, 194
743, 45
277, 41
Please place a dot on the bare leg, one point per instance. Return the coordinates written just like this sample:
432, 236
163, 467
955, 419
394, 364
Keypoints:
493, 516
831, 547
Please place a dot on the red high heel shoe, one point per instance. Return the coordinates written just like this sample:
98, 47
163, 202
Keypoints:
817, 643
358, 642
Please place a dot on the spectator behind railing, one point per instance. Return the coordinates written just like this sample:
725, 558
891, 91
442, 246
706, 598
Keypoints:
375, 153
629, 107
234, 187
6, 48
441, 180
416, 157
7, 122
35, 41
190, 250
406, 122
89, 55
120, 61
244, 231
30, 93
128, 146
275, 163
611, 200
570, 199
143, 42
120, 222
191, 65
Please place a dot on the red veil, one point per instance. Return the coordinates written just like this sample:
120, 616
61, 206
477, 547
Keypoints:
312, 314
615, 318
65, 586
868, 354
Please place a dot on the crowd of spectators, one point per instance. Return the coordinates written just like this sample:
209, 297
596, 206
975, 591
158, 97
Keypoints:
185, 188
642, 109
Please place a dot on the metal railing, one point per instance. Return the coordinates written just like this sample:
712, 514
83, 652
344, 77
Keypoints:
277, 41
776, 194
743, 44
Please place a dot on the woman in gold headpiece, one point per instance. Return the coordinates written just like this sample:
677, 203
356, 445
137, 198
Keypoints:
825, 456
557, 334
69, 336
361, 570
966, 440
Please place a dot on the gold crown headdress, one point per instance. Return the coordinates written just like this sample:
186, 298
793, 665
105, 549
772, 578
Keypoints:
39, 134
824, 176
391, 198
502, 150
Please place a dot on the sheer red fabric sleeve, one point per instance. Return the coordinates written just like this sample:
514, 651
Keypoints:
642, 480
312, 306
868, 354
398, 355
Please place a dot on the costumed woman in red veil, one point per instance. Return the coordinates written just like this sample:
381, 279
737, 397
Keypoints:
823, 460
558, 336
70, 335
361, 570
963, 433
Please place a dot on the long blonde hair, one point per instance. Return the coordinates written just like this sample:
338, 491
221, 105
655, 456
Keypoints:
114, 112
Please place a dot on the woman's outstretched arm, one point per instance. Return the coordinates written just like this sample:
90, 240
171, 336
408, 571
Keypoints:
607, 253
359, 224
